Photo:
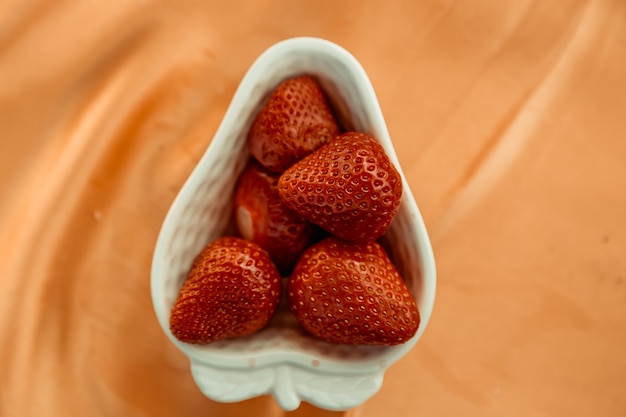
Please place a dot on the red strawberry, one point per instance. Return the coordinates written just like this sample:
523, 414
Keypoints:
232, 290
262, 218
351, 293
349, 187
294, 121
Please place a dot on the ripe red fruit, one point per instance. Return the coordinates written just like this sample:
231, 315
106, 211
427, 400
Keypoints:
232, 290
351, 293
348, 187
294, 121
262, 218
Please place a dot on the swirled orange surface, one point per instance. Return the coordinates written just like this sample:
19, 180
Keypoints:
509, 122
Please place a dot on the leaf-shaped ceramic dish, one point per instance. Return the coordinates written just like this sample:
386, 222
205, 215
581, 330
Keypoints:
281, 360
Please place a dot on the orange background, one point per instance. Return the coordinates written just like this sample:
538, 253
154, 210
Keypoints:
509, 119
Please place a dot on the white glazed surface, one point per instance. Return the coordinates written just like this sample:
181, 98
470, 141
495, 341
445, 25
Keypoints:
280, 360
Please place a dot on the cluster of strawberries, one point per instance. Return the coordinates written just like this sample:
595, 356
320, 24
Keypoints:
309, 206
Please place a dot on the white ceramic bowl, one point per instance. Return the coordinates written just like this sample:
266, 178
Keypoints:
281, 360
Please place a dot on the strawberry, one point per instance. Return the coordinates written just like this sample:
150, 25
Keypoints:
351, 293
232, 290
348, 187
262, 218
295, 120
